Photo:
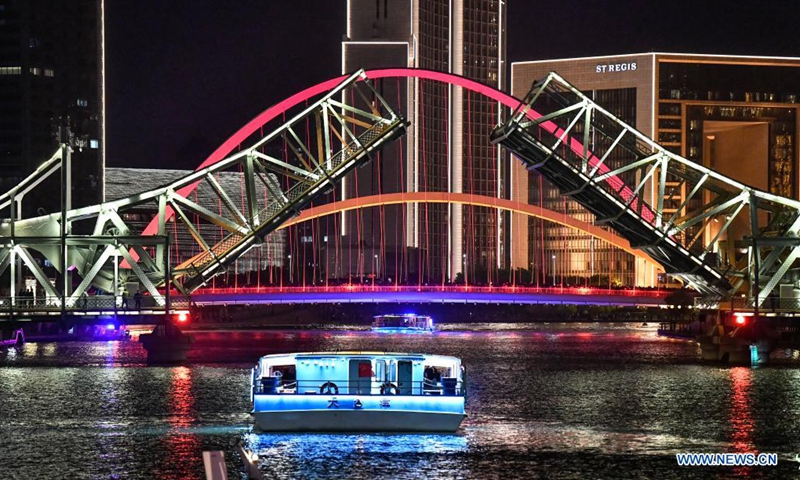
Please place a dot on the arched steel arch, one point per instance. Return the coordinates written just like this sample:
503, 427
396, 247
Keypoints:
468, 199
505, 99
279, 108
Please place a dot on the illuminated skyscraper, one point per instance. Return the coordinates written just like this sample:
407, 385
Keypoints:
447, 149
51, 75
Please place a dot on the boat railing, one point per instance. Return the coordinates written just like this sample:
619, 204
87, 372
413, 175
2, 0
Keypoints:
447, 386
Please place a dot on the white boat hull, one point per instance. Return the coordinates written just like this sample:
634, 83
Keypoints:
357, 421
358, 413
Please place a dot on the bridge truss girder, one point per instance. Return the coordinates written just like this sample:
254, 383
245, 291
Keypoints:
320, 145
718, 235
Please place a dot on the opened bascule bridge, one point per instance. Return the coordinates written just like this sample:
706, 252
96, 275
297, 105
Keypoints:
734, 245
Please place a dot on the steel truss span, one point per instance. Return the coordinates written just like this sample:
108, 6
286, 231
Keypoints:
717, 234
273, 163
412, 75
281, 172
324, 132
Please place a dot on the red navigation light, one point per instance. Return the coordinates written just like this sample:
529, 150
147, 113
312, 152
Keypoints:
183, 317
740, 320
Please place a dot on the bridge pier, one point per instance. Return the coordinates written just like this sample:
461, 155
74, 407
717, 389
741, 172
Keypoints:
735, 351
741, 341
166, 344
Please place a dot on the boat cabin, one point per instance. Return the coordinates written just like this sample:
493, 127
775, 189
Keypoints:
358, 373
406, 322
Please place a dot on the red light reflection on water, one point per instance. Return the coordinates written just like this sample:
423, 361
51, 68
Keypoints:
183, 448
740, 416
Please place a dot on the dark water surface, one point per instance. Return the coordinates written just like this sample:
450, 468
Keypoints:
545, 401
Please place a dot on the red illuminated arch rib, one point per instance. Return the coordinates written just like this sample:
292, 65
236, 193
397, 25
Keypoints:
278, 109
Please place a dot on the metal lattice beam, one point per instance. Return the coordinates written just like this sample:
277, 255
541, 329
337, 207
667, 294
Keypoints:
341, 134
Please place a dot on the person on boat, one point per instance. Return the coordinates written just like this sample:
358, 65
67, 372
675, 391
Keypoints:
137, 299
431, 377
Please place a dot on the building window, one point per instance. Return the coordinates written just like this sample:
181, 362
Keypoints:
94, 144
48, 72
10, 70
82, 102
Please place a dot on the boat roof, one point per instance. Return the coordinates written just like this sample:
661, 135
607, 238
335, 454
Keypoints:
402, 315
357, 353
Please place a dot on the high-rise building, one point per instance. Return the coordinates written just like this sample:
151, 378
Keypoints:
447, 148
51, 76
735, 114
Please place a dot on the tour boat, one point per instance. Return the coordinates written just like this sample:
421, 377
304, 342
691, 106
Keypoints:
358, 392
403, 323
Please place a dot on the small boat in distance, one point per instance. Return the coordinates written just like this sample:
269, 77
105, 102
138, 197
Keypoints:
403, 323
358, 392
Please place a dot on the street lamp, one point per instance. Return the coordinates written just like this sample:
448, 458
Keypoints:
531, 271
291, 274
465, 268
554, 269
374, 268
591, 260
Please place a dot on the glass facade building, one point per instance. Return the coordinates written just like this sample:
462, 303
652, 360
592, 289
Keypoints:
51, 77
737, 115
447, 148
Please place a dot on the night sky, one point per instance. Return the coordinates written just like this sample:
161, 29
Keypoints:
183, 76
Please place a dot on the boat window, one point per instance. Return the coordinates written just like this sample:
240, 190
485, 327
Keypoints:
384, 371
287, 372
435, 373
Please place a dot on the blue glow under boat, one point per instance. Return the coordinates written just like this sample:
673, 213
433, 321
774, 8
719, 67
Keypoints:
358, 392
403, 323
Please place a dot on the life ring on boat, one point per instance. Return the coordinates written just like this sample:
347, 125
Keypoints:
328, 388
388, 388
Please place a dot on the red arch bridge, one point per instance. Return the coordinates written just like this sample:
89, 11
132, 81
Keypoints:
725, 238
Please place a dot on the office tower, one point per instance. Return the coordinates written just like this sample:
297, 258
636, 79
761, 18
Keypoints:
447, 149
51, 76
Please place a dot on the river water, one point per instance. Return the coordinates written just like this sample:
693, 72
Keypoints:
545, 401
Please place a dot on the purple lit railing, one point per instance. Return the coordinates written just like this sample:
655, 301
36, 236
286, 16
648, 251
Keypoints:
631, 292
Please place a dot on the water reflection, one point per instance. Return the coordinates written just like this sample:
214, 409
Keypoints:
112, 351
546, 401
356, 455
181, 444
740, 416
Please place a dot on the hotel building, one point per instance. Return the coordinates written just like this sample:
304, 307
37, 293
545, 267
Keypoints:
735, 114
